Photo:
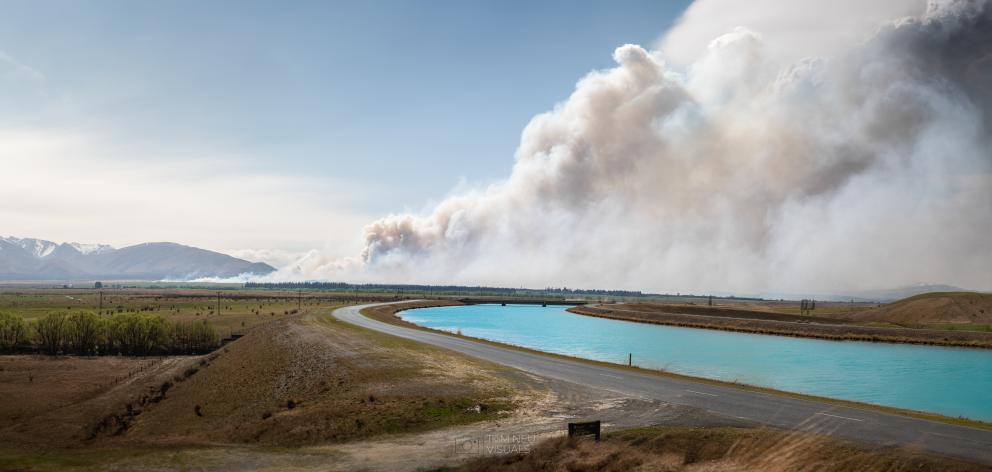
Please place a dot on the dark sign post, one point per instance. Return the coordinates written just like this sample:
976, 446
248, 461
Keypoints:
590, 428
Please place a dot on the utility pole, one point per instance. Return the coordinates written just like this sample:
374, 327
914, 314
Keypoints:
218, 303
299, 299
100, 311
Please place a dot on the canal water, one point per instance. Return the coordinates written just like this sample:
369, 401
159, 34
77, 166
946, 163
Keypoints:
948, 380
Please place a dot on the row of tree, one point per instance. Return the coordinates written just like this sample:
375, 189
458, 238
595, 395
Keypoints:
86, 333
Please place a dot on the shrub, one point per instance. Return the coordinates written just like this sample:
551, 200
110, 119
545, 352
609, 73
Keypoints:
13, 331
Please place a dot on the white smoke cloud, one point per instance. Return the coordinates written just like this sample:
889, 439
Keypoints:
744, 164
792, 29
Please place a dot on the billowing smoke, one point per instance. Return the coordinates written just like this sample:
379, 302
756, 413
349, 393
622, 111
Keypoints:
746, 168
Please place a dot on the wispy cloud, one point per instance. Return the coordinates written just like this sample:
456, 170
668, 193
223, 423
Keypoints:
10, 67
65, 185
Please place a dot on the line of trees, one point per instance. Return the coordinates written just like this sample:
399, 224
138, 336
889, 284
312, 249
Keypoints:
86, 333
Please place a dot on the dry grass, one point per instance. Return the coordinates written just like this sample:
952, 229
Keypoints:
301, 380
310, 381
714, 449
935, 309
33, 385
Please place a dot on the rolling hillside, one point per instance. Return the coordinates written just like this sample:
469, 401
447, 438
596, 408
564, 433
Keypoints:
937, 307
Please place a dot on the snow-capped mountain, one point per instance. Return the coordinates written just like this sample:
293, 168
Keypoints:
91, 248
37, 259
38, 248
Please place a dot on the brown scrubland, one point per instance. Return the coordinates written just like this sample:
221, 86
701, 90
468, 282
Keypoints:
948, 319
300, 380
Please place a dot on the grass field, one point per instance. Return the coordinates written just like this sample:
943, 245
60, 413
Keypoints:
228, 310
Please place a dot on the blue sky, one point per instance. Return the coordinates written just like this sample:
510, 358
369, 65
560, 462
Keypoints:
396, 102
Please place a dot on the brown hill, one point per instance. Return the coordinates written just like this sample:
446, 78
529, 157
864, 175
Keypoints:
936, 307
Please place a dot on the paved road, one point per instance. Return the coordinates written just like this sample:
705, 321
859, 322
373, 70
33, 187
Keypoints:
851, 423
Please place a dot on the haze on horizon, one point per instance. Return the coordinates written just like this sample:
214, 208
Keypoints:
809, 148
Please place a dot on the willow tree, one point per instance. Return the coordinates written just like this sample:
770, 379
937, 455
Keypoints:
52, 332
85, 332
13, 331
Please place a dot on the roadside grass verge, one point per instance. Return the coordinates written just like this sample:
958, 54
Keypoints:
985, 328
14, 459
388, 314
714, 449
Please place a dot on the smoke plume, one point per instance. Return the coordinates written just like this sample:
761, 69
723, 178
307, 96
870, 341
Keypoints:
745, 167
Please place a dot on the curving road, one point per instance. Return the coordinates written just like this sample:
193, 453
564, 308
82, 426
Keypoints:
768, 409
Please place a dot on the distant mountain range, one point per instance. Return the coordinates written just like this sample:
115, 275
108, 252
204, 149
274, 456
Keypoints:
36, 259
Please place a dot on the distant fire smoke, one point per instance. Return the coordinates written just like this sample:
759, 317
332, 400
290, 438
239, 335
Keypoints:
745, 166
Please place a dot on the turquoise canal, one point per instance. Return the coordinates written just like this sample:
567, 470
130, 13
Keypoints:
951, 381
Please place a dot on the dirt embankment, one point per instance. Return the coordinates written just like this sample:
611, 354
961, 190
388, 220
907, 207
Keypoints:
760, 323
387, 313
714, 450
725, 312
934, 308
312, 380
